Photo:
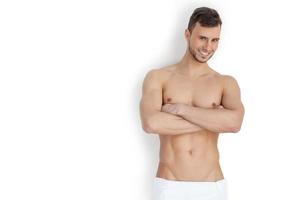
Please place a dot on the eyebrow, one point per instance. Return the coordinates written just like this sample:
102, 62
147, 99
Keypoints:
207, 37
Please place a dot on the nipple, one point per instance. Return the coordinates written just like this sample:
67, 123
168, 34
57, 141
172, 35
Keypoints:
169, 99
214, 104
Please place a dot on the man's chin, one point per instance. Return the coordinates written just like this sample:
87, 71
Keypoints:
202, 60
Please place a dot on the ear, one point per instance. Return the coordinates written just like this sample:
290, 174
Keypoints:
187, 34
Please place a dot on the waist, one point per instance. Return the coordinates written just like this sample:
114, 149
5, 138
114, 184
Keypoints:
193, 156
189, 157
205, 171
192, 144
194, 183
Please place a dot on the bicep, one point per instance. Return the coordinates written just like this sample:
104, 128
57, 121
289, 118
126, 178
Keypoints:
151, 100
231, 96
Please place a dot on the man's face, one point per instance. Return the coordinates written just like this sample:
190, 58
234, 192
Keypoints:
203, 42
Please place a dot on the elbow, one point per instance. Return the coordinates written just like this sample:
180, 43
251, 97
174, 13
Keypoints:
150, 123
147, 126
236, 127
237, 124
230, 128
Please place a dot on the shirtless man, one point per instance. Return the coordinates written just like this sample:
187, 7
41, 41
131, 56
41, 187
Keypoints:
188, 105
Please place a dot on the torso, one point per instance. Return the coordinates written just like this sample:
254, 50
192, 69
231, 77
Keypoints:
190, 156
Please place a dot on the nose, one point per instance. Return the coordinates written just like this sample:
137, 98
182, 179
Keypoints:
207, 46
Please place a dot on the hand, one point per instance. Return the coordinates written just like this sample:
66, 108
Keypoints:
217, 106
173, 108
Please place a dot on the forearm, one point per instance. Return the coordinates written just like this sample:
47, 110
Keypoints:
169, 124
215, 120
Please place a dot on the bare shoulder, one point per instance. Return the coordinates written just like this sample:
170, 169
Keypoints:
159, 74
167, 70
228, 80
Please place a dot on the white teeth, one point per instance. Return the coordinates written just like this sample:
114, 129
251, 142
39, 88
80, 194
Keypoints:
204, 53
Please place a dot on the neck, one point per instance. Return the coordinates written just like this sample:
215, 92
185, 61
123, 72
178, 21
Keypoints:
191, 67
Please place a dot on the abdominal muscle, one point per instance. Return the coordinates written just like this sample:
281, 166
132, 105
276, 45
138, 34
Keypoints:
190, 157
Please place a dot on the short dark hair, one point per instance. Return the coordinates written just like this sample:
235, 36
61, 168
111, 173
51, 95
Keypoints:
207, 17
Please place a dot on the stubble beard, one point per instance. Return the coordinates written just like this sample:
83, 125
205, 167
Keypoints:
193, 53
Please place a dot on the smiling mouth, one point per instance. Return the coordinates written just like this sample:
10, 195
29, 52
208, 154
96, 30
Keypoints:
204, 54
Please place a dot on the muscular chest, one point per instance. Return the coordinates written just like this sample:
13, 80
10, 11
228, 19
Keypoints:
203, 92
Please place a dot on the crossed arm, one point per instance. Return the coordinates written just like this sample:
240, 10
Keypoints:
173, 119
218, 119
227, 118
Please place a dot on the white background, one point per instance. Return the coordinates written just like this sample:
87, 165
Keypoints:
70, 83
